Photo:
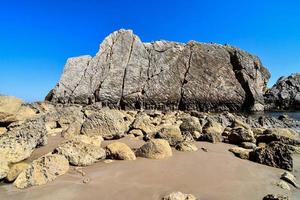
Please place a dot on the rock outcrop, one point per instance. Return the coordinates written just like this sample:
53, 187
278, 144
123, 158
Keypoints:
285, 94
127, 73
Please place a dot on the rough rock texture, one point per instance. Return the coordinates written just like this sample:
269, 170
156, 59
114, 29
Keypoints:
19, 142
127, 73
179, 196
290, 178
285, 94
275, 154
119, 151
240, 152
43, 170
276, 197
107, 123
15, 170
155, 149
79, 153
239, 135
186, 146
170, 133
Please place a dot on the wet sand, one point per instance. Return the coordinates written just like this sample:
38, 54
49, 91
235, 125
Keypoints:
212, 175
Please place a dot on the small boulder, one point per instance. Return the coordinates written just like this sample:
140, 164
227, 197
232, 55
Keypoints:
240, 152
276, 197
290, 178
248, 145
43, 170
212, 127
107, 123
284, 132
179, 196
136, 133
283, 185
155, 149
15, 170
79, 153
18, 143
186, 146
170, 133
211, 137
119, 151
275, 154
191, 125
143, 122
239, 135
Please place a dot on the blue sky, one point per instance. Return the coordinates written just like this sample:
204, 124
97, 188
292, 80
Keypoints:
37, 36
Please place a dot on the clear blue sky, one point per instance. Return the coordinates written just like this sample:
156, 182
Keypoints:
36, 37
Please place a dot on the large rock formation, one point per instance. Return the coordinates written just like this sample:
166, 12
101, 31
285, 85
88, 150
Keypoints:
127, 73
285, 94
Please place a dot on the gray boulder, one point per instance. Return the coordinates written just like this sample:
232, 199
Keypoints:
285, 94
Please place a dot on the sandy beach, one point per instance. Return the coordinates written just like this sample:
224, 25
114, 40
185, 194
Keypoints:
213, 175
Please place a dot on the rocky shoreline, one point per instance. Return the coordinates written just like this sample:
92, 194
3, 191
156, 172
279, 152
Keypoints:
83, 130
178, 114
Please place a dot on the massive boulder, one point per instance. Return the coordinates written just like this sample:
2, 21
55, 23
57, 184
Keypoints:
285, 94
127, 73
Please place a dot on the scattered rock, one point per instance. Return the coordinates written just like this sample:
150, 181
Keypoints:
179, 196
240, 152
275, 154
192, 126
79, 153
86, 180
119, 151
15, 170
95, 140
248, 145
285, 132
170, 133
290, 178
155, 149
211, 137
283, 185
213, 128
136, 133
276, 197
18, 143
143, 122
43, 170
186, 146
239, 135
107, 123
204, 149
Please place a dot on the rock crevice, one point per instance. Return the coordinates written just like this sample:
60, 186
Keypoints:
129, 74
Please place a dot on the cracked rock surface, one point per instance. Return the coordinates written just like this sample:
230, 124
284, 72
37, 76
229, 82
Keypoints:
129, 74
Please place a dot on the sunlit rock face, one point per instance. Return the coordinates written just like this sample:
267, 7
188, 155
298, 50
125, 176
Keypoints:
285, 94
129, 74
